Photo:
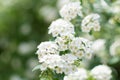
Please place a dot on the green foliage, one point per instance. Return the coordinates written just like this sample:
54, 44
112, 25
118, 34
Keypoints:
46, 75
36, 68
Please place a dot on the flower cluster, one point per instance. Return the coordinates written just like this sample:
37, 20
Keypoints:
61, 27
46, 48
63, 41
114, 48
65, 50
80, 74
71, 10
49, 53
57, 63
80, 47
101, 72
91, 22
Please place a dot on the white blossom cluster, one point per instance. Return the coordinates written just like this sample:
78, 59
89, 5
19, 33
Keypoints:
65, 49
61, 3
114, 48
69, 58
63, 41
101, 72
71, 10
46, 48
80, 74
49, 53
80, 47
57, 63
91, 22
61, 27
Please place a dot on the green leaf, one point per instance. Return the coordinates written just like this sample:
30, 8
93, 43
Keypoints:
46, 75
90, 77
36, 67
46, 78
114, 60
91, 32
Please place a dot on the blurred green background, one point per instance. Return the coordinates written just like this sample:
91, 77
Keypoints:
24, 24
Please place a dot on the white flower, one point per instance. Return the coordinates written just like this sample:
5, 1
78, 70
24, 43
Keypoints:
61, 27
69, 58
71, 10
43, 66
63, 41
80, 47
101, 72
114, 48
51, 61
56, 63
73, 48
69, 68
47, 48
91, 22
98, 48
80, 74
26, 48
61, 3
98, 45
48, 9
